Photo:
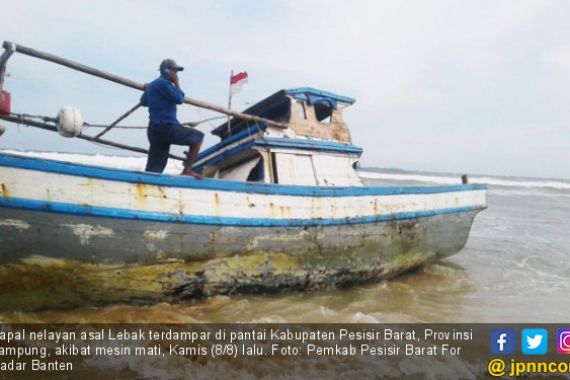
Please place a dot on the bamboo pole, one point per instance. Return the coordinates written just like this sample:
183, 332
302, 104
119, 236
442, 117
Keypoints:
129, 83
53, 128
121, 118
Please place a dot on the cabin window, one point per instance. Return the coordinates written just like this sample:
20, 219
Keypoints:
323, 113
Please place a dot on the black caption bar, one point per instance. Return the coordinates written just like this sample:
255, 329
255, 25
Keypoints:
259, 350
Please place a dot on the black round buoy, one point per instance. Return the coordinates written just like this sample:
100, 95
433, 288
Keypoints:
464, 179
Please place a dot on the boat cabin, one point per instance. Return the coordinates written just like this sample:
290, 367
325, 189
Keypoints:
312, 148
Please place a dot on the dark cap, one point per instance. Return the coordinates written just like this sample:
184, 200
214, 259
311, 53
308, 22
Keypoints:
170, 64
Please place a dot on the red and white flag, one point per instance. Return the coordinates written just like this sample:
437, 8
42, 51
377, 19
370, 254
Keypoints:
237, 81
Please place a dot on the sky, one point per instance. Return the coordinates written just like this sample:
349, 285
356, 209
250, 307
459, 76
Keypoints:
473, 86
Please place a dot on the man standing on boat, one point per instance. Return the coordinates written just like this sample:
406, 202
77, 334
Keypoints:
162, 96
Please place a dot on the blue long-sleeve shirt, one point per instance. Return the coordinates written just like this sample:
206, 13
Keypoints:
161, 98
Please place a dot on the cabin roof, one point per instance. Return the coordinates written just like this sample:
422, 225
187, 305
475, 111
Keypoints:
273, 106
314, 96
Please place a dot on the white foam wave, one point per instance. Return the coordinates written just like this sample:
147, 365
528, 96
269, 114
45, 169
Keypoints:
448, 180
123, 162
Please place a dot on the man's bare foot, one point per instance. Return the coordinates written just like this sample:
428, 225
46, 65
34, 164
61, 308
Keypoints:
192, 174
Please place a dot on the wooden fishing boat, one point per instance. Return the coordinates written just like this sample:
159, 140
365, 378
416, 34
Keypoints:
282, 208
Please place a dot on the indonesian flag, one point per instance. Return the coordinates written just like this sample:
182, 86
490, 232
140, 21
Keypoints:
237, 81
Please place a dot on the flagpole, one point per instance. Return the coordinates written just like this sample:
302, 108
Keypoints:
230, 102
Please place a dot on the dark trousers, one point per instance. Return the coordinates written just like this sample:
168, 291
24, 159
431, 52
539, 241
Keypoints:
161, 137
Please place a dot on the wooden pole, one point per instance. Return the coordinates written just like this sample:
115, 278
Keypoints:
121, 118
53, 128
129, 83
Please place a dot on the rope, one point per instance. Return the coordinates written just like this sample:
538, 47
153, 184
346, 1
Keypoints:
88, 125
47, 119
21, 116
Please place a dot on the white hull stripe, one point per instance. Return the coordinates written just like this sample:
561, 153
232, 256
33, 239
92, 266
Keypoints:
75, 190
115, 213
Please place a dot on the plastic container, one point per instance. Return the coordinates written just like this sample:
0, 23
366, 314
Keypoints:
5, 103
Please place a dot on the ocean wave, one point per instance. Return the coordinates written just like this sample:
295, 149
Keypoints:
123, 162
449, 180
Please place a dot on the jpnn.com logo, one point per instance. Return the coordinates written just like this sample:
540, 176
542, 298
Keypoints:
504, 342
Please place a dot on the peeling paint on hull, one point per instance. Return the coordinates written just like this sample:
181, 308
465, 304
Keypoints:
84, 231
48, 265
14, 223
